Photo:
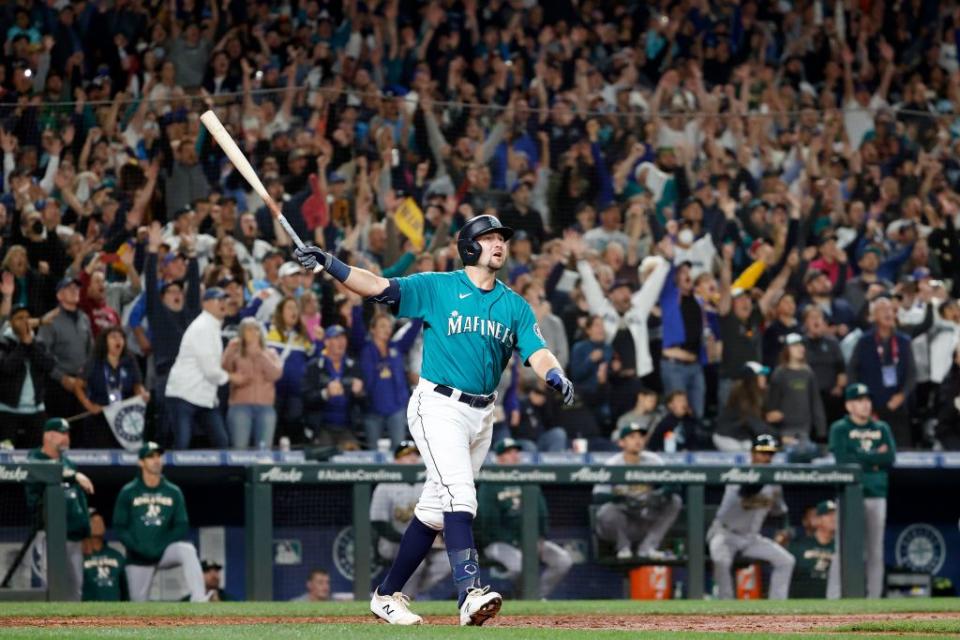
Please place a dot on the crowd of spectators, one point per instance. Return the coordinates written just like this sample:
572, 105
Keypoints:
726, 211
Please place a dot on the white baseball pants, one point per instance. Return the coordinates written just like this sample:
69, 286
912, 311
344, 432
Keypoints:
453, 439
556, 562
177, 554
874, 525
725, 545
74, 564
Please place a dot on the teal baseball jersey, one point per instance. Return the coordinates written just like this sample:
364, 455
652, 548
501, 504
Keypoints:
468, 334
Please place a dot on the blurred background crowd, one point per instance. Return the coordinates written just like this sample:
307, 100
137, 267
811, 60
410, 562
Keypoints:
726, 211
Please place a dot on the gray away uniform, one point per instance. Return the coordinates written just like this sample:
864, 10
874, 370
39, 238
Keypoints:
635, 513
393, 504
736, 529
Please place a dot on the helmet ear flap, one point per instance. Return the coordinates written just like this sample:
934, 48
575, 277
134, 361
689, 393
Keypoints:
470, 251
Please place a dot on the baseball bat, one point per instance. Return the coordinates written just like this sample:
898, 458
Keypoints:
239, 160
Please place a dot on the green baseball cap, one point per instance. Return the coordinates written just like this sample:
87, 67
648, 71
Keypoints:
506, 445
56, 424
826, 507
148, 449
855, 391
633, 427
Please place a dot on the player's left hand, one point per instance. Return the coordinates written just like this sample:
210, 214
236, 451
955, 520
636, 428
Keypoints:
561, 384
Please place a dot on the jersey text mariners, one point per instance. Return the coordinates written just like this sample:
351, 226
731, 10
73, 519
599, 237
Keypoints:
469, 334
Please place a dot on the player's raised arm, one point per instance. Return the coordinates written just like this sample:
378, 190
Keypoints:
360, 281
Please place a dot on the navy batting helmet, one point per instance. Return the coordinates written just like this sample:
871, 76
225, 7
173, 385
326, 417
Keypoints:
766, 443
467, 243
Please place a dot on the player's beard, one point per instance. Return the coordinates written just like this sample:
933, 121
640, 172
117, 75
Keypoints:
495, 263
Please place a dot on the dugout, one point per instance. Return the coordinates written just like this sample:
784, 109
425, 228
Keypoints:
315, 519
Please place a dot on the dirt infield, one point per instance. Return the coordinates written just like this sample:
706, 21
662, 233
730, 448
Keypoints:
716, 623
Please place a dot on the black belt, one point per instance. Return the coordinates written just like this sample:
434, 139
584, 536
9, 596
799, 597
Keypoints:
477, 402
677, 360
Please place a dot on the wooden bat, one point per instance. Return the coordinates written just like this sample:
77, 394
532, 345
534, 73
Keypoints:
239, 160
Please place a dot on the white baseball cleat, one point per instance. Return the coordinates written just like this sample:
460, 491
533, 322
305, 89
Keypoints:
480, 606
625, 553
394, 609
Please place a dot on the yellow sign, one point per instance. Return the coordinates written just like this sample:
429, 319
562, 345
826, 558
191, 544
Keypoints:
409, 219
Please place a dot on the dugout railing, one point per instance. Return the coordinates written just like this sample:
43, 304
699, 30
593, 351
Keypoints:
694, 480
23, 528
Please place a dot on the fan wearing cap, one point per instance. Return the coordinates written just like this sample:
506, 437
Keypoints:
197, 373
289, 285
25, 365
736, 528
822, 292
814, 554
793, 406
635, 515
741, 418
333, 392
76, 486
499, 526
860, 439
473, 324
391, 511
150, 519
883, 361
625, 313
69, 338
104, 568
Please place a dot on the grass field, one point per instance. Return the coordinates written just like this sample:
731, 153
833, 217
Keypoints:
558, 620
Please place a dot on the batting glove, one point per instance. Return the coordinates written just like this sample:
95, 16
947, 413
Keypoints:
561, 384
310, 257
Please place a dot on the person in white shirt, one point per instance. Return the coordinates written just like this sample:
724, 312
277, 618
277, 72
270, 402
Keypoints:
191, 394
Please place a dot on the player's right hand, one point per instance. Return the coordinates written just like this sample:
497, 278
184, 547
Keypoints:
310, 256
561, 384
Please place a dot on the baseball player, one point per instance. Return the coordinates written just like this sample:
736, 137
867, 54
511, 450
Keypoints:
736, 527
150, 519
104, 578
56, 441
500, 513
472, 325
391, 509
814, 553
635, 514
859, 439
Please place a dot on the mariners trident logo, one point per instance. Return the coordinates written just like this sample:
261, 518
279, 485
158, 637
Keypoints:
457, 323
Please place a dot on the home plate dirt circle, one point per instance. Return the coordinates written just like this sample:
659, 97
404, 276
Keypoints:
698, 622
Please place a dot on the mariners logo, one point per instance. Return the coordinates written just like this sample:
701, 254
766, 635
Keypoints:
343, 554
921, 547
128, 425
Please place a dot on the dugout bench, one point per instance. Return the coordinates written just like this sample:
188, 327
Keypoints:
693, 479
